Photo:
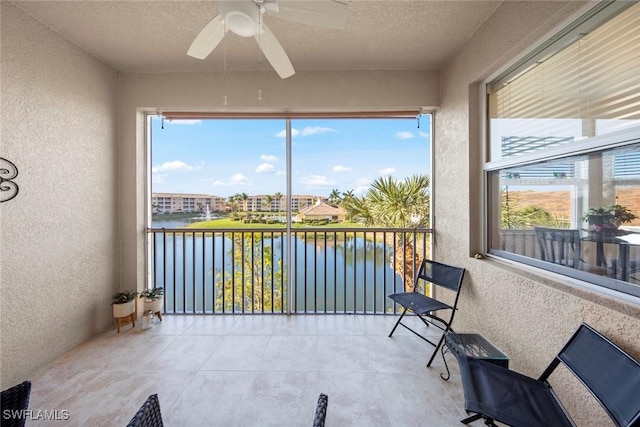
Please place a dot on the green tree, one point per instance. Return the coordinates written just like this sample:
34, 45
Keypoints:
334, 198
244, 197
254, 283
390, 203
267, 200
278, 197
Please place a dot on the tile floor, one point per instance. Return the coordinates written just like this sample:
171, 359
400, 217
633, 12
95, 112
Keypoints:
253, 371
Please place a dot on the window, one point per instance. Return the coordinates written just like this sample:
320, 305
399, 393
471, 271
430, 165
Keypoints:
563, 174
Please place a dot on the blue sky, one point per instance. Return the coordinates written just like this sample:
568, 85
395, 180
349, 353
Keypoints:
225, 157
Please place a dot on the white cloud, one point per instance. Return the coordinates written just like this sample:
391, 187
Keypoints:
309, 130
176, 165
265, 167
314, 130
279, 173
360, 190
405, 135
341, 168
283, 133
424, 135
157, 178
236, 179
268, 158
239, 179
317, 181
387, 171
185, 122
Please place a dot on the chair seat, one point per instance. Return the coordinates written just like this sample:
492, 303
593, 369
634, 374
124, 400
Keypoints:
510, 397
418, 303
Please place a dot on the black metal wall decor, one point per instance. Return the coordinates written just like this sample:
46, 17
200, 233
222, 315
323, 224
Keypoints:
8, 188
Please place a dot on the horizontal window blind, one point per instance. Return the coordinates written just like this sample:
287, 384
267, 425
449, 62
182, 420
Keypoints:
596, 77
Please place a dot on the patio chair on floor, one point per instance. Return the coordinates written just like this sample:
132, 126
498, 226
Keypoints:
148, 415
14, 400
444, 278
321, 410
498, 394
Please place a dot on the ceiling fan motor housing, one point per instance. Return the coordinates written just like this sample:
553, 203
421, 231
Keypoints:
241, 17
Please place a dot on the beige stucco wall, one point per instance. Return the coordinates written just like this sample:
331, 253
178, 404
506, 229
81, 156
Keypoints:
304, 92
58, 266
528, 315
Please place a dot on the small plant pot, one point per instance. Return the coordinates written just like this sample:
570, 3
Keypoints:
155, 305
124, 309
124, 313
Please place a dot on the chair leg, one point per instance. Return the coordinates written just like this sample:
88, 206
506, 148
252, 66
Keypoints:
487, 420
435, 351
398, 322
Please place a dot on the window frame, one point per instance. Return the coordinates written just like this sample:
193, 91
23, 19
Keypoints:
590, 20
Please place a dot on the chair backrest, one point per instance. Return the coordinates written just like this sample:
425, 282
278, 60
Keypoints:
16, 400
559, 245
148, 415
439, 274
321, 410
610, 374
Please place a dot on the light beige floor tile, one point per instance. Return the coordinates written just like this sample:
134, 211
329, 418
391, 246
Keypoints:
213, 398
354, 399
296, 325
338, 325
257, 324
186, 353
252, 370
290, 353
237, 352
281, 399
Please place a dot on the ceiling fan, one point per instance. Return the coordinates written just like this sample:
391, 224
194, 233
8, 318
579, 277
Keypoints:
243, 17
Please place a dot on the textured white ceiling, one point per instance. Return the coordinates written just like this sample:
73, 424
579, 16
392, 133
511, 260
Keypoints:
153, 36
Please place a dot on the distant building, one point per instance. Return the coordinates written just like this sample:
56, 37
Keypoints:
186, 203
320, 211
192, 203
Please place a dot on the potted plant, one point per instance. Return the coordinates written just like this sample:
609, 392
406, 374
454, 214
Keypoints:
153, 300
124, 307
608, 218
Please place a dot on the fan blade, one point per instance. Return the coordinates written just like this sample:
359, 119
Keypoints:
320, 13
274, 52
208, 38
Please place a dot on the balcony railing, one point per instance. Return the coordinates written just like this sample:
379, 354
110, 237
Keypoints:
333, 270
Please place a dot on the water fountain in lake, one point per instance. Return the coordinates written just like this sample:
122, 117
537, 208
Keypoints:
207, 213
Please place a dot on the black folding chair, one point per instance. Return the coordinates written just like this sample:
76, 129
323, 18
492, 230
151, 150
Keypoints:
321, 410
610, 374
426, 308
148, 415
14, 402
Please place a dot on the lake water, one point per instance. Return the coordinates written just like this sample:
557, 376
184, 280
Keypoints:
332, 271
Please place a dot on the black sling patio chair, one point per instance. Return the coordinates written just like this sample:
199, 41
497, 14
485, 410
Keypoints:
428, 309
498, 394
14, 402
321, 410
148, 415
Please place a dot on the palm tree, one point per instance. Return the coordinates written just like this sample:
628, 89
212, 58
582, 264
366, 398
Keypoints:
395, 204
244, 197
232, 201
334, 198
268, 199
347, 195
278, 197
